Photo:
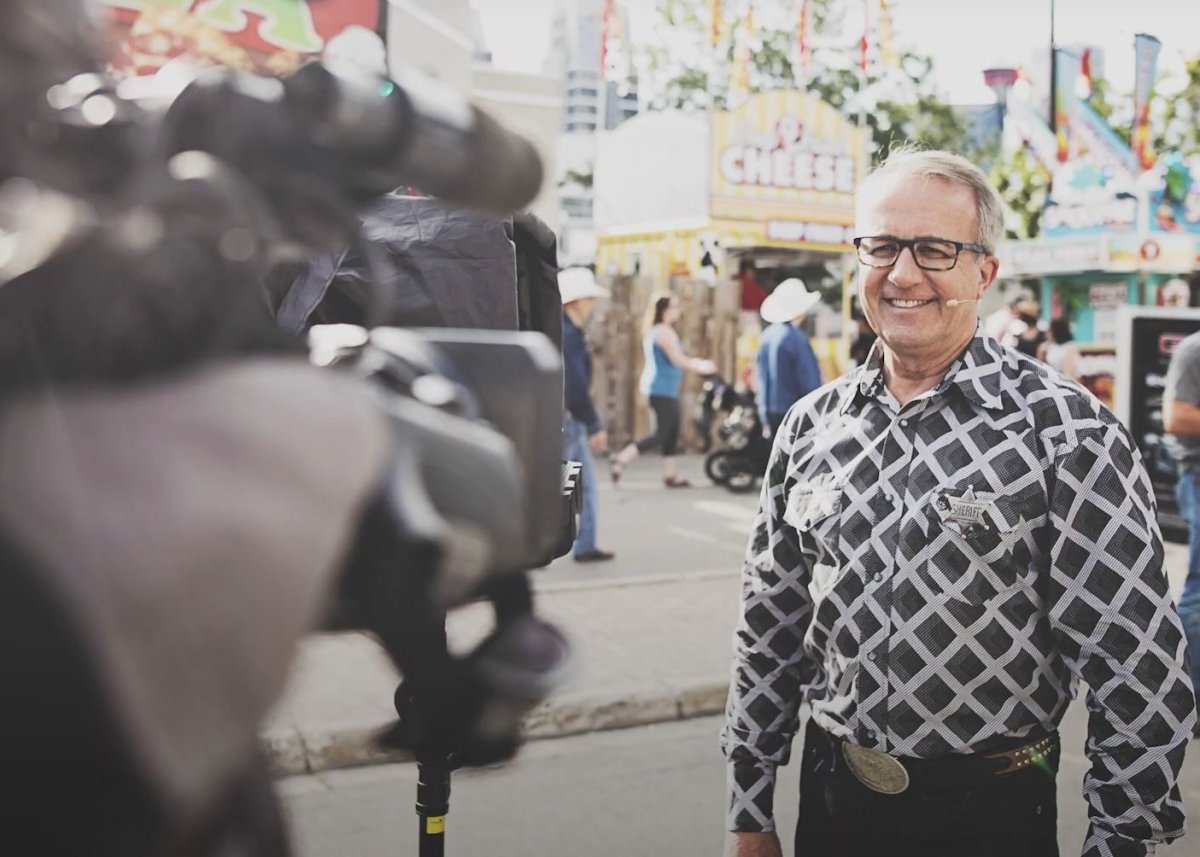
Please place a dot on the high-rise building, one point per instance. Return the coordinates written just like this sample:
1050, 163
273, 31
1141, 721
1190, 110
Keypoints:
595, 99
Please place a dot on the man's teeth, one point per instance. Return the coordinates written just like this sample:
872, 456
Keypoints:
907, 304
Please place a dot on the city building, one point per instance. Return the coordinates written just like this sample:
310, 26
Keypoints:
596, 98
443, 39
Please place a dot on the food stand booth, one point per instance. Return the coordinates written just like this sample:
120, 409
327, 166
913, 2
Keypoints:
684, 202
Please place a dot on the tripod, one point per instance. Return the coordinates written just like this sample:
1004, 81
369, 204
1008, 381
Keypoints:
433, 803
433, 767
470, 713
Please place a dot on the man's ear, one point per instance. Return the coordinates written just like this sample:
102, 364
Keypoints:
989, 269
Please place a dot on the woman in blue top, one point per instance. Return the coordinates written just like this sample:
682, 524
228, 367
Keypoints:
661, 379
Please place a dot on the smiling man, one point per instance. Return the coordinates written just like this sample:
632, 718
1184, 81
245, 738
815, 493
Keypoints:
949, 539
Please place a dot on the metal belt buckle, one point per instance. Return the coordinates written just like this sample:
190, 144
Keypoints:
877, 771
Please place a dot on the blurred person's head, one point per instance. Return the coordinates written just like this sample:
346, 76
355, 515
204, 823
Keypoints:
579, 290
666, 310
1028, 311
1060, 331
789, 301
1017, 296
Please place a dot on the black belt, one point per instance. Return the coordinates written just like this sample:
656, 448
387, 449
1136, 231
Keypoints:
890, 774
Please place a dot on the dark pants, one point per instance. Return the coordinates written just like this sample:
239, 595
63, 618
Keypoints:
996, 816
666, 426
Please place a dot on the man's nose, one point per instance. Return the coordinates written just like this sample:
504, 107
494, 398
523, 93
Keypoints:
905, 271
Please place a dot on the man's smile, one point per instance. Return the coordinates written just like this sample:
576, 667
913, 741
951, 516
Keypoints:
908, 303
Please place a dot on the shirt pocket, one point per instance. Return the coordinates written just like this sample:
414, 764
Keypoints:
977, 547
814, 510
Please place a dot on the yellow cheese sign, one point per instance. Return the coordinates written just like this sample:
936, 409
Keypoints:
790, 161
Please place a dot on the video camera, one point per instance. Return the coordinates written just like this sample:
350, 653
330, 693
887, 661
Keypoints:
478, 484
246, 172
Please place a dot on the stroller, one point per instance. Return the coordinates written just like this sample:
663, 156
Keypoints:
716, 397
742, 458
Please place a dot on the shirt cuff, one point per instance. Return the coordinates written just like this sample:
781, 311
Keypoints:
751, 789
1103, 843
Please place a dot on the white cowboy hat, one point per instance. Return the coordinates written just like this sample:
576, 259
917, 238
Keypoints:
575, 284
790, 299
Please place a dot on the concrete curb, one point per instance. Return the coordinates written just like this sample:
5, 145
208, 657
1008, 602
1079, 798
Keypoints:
292, 751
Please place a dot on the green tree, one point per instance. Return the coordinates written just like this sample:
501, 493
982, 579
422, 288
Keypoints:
1115, 108
583, 179
896, 105
1178, 129
1023, 185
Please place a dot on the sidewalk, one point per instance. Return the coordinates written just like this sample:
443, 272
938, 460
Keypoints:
648, 649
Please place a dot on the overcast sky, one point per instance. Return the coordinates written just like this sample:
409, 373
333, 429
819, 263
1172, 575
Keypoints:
963, 36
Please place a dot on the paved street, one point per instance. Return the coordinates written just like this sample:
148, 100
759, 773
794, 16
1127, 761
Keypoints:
660, 531
651, 790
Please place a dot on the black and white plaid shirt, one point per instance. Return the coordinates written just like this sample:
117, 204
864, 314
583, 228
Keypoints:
933, 577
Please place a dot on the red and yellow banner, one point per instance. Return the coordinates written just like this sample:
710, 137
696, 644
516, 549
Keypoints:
802, 26
1146, 49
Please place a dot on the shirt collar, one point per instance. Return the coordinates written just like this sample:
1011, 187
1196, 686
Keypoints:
977, 374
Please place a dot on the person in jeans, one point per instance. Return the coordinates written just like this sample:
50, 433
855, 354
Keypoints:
950, 541
662, 376
1181, 418
787, 367
583, 433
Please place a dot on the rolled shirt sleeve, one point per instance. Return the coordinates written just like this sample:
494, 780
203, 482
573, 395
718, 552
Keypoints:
1117, 629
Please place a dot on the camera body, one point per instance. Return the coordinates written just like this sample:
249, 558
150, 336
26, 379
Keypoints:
476, 415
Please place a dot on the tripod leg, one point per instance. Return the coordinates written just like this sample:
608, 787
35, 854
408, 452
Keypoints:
433, 803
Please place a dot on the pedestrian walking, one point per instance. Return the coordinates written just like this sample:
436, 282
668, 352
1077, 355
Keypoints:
1181, 418
583, 432
948, 541
662, 376
787, 366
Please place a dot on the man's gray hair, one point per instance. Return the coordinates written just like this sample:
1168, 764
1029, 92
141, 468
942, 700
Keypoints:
989, 210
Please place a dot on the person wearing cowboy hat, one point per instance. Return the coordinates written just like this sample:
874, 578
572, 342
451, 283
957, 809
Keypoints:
787, 367
583, 433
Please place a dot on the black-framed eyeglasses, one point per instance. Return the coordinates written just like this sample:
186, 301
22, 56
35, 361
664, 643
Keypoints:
930, 254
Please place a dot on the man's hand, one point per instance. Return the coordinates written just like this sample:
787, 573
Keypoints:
752, 845
598, 442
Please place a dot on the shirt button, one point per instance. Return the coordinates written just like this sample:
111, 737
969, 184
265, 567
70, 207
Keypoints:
878, 577
870, 656
888, 498
904, 423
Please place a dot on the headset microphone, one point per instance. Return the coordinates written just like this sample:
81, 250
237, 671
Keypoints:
957, 301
